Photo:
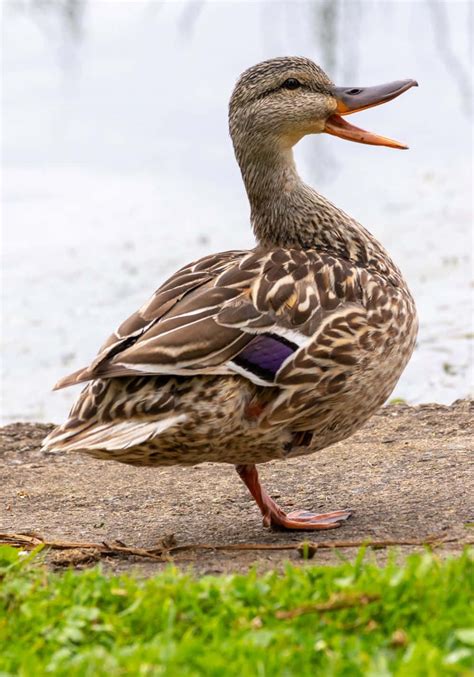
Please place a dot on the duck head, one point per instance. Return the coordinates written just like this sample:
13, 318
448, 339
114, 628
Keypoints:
278, 101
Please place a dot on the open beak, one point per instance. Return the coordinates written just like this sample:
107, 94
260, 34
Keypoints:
352, 99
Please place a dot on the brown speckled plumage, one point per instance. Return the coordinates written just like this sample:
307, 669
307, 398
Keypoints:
187, 378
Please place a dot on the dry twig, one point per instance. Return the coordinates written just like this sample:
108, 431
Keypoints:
336, 603
168, 547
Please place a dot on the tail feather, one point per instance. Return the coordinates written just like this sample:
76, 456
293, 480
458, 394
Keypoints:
109, 436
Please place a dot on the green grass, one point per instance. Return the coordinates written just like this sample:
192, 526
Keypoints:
407, 620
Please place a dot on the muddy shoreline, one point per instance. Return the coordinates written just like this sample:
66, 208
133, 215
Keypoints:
407, 473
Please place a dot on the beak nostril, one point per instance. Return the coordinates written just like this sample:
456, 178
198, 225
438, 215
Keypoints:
353, 91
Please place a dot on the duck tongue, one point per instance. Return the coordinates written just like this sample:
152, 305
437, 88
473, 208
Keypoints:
352, 99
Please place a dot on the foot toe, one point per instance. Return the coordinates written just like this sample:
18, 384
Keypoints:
306, 520
322, 518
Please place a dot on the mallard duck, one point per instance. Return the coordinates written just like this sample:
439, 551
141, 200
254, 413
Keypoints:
245, 357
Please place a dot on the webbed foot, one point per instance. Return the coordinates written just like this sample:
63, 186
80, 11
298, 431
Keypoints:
274, 516
305, 520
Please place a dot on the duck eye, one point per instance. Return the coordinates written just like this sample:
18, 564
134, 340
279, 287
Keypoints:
291, 83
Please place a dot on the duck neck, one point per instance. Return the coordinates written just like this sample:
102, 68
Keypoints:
285, 212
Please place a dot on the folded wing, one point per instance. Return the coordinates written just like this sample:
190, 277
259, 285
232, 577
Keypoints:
235, 312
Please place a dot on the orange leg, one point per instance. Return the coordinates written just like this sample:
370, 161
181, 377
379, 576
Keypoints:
273, 515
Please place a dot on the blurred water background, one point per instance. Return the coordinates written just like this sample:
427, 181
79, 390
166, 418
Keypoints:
117, 166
